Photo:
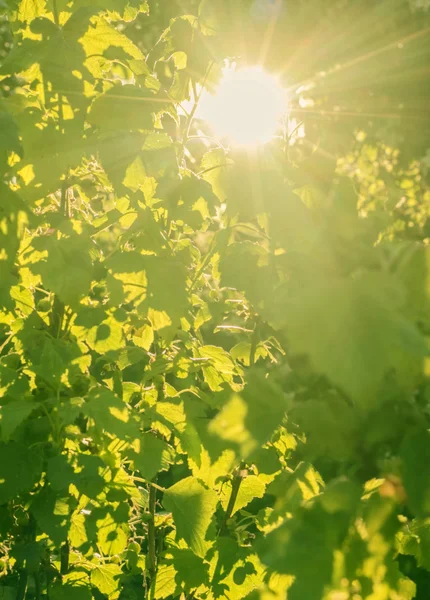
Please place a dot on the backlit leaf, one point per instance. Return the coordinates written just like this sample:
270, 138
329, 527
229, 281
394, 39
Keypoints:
192, 506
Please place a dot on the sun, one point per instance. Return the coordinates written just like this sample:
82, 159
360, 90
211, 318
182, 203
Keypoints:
247, 107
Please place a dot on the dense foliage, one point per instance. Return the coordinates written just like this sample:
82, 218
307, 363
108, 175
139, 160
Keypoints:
214, 373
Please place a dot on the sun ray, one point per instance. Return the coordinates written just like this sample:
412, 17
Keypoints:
343, 113
269, 33
355, 61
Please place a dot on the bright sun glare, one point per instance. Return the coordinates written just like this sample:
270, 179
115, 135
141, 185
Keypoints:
247, 107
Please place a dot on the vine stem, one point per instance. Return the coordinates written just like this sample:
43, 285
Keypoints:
235, 487
191, 115
64, 558
254, 343
37, 587
22, 585
6, 342
193, 111
60, 96
150, 483
56, 14
152, 555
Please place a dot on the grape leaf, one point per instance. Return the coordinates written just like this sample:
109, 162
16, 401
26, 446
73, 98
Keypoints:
124, 107
12, 415
67, 269
52, 513
251, 487
192, 506
151, 455
248, 420
20, 468
165, 582
415, 451
106, 578
9, 136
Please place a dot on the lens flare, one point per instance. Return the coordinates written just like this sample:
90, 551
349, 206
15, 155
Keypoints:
247, 107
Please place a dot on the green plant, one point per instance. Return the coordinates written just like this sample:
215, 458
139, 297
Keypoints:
212, 385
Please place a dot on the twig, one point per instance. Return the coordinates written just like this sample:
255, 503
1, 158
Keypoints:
209, 169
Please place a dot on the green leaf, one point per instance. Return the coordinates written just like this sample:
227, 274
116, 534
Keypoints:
101, 332
415, 451
103, 36
14, 219
67, 269
12, 415
124, 107
110, 414
151, 455
73, 586
190, 200
415, 540
20, 469
113, 533
165, 582
28, 10
125, 10
183, 35
295, 488
157, 283
105, 577
218, 368
181, 570
213, 168
9, 136
77, 532
52, 513
244, 266
251, 487
60, 473
319, 420
89, 479
236, 570
192, 506
286, 550
48, 154
248, 420
167, 299
191, 570
414, 271
341, 495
